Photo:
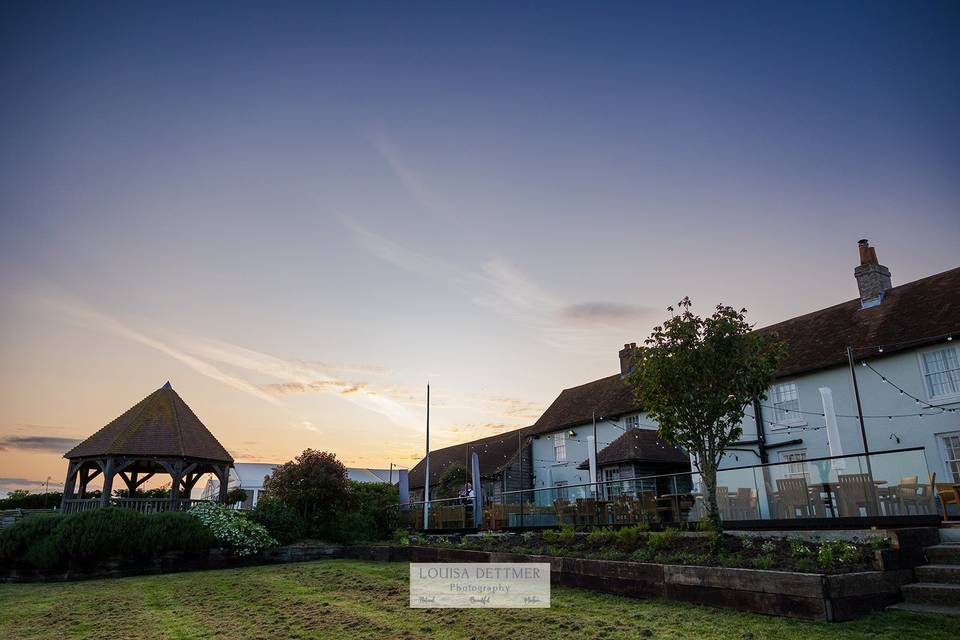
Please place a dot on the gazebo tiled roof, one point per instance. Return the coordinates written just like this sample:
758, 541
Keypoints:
160, 425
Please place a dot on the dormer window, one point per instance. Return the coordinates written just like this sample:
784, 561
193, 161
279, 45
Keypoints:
631, 422
941, 372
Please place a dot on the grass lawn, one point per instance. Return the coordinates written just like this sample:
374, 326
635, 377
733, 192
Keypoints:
351, 599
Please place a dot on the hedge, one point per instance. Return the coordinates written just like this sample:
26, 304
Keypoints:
47, 541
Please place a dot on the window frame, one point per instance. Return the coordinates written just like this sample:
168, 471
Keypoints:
805, 474
946, 398
786, 423
560, 445
631, 422
942, 450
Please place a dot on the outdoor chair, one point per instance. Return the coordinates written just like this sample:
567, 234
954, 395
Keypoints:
744, 505
793, 499
452, 517
723, 502
856, 491
949, 496
586, 511
566, 512
912, 494
648, 507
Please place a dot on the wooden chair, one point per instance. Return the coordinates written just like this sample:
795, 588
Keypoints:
949, 495
911, 493
586, 511
856, 491
646, 507
744, 505
723, 502
565, 510
793, 499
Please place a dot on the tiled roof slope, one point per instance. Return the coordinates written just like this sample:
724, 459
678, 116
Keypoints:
494, 453
609, 396
910, 316
640, 445
159, 425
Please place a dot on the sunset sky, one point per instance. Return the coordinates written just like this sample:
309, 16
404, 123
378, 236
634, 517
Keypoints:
301, 213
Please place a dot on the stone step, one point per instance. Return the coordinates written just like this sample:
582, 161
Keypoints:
943, 573
932, 593
925, 608
950, 534
943, 554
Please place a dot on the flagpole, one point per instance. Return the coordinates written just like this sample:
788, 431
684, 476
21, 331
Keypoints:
426, 481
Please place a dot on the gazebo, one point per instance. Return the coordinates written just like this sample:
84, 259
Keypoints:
158, 435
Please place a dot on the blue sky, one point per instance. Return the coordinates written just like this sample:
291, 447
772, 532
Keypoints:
300, 212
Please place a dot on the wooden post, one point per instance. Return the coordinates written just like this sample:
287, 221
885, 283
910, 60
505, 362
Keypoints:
175, 485
69, 484
224, 480
108, 474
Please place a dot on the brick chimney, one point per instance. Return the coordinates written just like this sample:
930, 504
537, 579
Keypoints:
626, 358
873, 278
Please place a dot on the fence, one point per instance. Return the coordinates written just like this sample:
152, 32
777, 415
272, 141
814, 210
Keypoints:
143, 505
878, 487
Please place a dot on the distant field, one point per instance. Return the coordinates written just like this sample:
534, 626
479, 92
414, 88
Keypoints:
351, 599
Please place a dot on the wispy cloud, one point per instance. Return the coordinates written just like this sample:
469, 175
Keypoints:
25, 482
501, 288
410, 177
50, 444
603, 312
211, 358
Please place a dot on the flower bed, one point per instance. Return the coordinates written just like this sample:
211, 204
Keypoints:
674, 547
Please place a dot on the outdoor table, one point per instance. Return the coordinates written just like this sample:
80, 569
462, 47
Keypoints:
827, 490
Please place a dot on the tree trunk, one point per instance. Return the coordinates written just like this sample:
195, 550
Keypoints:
709, 473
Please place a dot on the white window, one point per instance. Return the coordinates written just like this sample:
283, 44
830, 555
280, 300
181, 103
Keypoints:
631, 422
941, 372
611, 475
950, 446
797, 459
786, 404
560, 446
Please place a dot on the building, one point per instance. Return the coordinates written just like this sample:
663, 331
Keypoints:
249, 476
907, 368
504, 459
907, 372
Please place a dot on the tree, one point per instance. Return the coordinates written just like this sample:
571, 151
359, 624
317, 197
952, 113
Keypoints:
695, 376
451, 481
236, 495
315, 485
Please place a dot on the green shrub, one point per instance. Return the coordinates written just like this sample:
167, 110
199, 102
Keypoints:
800, 549
764, 561
879, 542
663, 539
99, 533
837, 552
17, 538
641, 555
174, 532
600, 537
628, 537
282, 522
807, 565
233, 529
565, 535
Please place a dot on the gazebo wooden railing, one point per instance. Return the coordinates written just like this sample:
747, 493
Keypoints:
143, 505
